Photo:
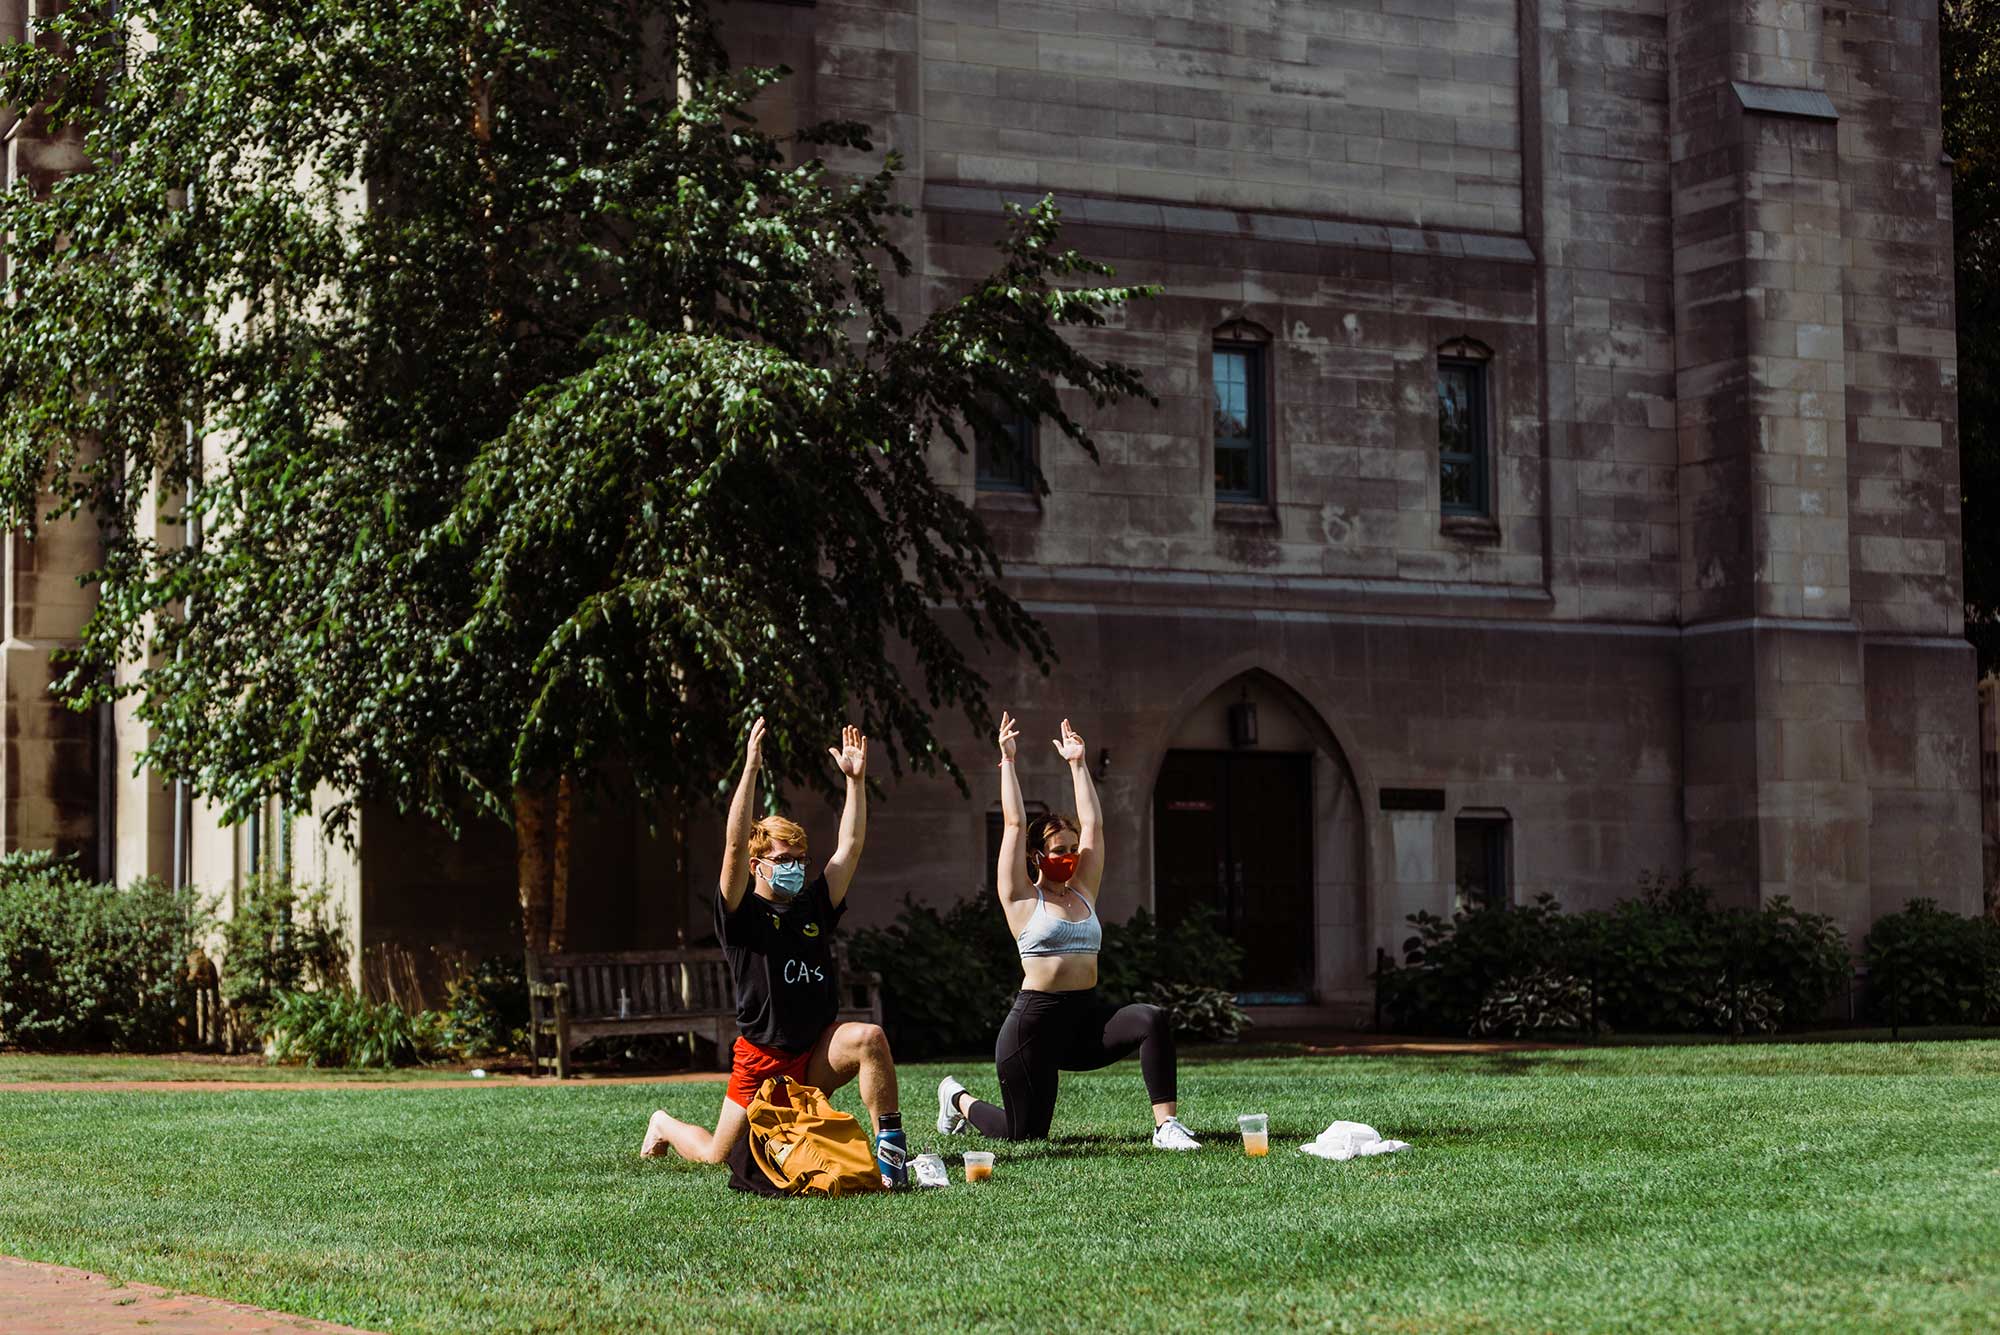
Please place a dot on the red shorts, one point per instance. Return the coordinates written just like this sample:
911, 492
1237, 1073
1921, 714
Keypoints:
754, 1064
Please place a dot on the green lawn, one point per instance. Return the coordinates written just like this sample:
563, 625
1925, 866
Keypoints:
20, 1067
1826, 1186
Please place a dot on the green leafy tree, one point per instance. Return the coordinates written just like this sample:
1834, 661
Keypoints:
1969, 38
550, 418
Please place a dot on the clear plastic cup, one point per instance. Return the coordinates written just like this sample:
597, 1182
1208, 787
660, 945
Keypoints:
978, 1165
1256, 1129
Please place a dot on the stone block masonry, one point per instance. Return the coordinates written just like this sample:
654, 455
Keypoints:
1708, 614
1403, 111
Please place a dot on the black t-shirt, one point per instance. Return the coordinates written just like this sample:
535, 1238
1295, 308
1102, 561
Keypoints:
781, 960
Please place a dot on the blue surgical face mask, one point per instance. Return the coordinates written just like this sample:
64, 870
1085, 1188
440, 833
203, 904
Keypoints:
788, 878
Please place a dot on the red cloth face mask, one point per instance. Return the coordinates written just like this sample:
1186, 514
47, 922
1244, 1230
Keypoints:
1059, 867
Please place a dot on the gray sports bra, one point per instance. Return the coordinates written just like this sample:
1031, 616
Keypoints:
1046, 934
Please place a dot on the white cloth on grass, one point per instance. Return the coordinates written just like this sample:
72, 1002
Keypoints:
1351, 1140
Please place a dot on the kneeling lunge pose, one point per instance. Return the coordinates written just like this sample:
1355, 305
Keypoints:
777, 932
1058, 1022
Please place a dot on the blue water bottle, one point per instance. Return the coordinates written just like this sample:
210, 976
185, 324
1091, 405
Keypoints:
892, 1153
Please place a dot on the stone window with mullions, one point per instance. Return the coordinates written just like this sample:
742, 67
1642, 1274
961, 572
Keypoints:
1480, 847
1465, 433
1242, 442
1004, 456
996, 826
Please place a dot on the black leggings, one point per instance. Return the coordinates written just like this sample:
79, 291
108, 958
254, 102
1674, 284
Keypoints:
1047, 1032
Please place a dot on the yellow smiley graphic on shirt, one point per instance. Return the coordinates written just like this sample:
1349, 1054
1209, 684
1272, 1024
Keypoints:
810, 929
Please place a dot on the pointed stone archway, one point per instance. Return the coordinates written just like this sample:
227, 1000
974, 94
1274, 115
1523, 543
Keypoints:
1257, 819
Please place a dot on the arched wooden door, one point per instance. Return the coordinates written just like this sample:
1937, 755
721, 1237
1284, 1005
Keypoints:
1233, 831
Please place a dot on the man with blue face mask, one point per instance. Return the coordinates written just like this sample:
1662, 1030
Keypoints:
776, 926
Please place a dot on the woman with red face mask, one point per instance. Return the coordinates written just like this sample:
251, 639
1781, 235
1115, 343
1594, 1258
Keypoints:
1058, 1021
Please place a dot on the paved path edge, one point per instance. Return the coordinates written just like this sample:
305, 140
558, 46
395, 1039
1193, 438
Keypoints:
40, 1298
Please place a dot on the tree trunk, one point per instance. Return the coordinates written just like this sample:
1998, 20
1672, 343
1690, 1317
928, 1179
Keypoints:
673, 830
534, 868
559, 873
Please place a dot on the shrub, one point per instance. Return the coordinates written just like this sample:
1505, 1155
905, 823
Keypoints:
279, 940
1139, 953
1927, 966
1540, 1002
486, 1008
84, 964
1801, 959
1204, 1014
1450, 968
1651, 959
1652, 963
1739, 1008
948, 977
338, 1027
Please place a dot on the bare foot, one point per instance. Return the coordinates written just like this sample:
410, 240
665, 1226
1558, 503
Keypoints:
655, 1145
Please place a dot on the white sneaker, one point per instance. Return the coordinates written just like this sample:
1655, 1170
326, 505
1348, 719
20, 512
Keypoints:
1171, 1135
950, 1123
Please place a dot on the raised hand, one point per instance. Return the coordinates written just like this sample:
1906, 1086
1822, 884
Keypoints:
753, 755
1009, 730
852, 753
1069, 746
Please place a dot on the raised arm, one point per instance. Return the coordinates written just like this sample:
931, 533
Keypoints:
1013, 878
735, 879
1089, 815
852, 758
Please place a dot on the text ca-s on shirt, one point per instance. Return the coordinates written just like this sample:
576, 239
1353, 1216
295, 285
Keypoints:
781, 960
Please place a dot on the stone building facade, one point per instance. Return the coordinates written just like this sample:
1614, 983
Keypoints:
1989, 790
1554, 474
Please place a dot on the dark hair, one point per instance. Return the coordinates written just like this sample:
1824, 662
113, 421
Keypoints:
1044, 825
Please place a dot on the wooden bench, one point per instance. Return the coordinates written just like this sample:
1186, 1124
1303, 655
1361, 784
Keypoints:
573, 998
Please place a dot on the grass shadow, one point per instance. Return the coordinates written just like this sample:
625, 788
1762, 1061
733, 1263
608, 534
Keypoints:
1201, 1053
1468, 1063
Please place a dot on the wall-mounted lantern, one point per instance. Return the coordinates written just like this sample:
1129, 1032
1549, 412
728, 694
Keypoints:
1243, 723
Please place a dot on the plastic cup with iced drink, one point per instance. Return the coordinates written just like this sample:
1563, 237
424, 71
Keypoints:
978, 1165
1256, 1128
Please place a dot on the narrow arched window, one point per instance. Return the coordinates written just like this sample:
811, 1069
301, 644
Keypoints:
1241, 383
1004, 454
1465, 434
1483, 839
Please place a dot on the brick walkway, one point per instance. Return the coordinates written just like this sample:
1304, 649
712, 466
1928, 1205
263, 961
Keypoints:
38, 1299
